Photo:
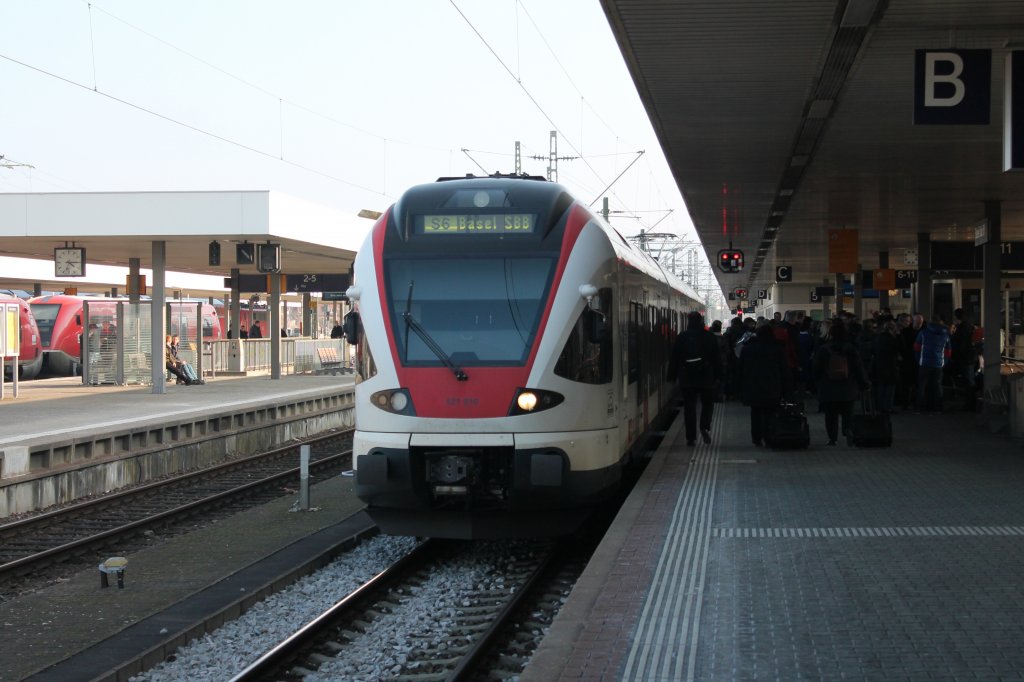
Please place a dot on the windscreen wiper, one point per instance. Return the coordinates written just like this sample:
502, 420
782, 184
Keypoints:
428, 340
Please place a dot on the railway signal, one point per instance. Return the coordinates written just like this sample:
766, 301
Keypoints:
730, 260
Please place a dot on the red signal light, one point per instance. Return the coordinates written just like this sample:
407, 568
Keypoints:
730, 260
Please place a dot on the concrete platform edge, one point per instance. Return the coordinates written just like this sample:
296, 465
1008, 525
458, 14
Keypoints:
551, 657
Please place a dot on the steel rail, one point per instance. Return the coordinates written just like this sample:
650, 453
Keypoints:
109, 500
468, 664
295, 642
12, 566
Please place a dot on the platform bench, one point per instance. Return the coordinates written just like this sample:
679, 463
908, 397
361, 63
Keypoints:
329, 361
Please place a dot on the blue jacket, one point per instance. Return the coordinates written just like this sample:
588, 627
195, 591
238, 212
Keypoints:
932, 346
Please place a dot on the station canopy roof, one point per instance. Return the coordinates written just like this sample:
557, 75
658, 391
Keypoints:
783, 119
116, 226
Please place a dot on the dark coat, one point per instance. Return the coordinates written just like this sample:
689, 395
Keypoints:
886, 367
839, 390
695, 361
764, 372
962, 343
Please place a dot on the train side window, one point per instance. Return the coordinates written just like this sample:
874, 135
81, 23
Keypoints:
587, 354
633, 342
363, 363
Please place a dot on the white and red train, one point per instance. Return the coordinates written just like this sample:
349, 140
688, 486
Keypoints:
511, 354
30, 350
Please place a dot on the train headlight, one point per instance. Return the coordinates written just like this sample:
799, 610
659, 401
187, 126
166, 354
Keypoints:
399, 401
532, 400
527, 400
396, 401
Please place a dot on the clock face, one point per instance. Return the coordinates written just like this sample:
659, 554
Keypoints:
69, 262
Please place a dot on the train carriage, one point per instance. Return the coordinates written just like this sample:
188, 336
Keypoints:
30, 356
60, 325
511, 354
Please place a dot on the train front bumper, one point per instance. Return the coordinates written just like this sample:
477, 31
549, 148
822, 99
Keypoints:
485, 475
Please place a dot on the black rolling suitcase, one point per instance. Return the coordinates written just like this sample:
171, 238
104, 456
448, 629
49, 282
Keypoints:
870, 429
788, 429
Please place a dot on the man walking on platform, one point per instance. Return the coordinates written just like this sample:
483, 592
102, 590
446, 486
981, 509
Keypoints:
696, 364
932, 350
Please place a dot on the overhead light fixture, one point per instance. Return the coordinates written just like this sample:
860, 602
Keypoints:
820, 108
858, 13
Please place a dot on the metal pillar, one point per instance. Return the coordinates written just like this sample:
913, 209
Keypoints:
235, 360
883, 294
156, 312
304, 452
858, 293
923, 289
308, 328
839, 293
133, 276
991, 296
275, 326
824, 303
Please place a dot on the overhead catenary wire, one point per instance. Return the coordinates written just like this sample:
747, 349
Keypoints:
279, 154
526, 91
534, 100
558, 61
273, 95
189, 126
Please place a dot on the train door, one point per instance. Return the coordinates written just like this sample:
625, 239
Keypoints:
945, 298
970, 301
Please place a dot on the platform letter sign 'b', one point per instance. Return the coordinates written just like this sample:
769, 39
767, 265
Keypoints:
952, 87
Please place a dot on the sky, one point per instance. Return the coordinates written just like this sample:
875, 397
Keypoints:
345, 103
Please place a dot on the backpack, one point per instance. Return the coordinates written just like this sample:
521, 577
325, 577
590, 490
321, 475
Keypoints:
838, 366
743, 339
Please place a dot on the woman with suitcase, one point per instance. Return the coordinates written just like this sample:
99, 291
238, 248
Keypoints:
696, 364
763, 379
840, 378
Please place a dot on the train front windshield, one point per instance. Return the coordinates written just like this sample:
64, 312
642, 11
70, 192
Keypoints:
478, 311
46, 318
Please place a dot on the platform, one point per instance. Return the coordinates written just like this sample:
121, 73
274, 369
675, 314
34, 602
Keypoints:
60, 439
733, 562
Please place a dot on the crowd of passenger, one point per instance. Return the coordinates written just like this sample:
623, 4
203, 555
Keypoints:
886, 362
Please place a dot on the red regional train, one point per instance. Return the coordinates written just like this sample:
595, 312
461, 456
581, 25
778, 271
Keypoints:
30, 358
60, 325
510, 359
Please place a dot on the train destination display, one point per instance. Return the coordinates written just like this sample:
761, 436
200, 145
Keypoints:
479, 223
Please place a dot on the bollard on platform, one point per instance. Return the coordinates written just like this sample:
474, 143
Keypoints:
116, 565
304, 478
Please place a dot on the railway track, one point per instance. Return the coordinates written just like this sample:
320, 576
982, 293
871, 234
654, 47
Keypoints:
36, 545
461, 638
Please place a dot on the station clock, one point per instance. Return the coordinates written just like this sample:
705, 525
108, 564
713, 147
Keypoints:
69, 261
